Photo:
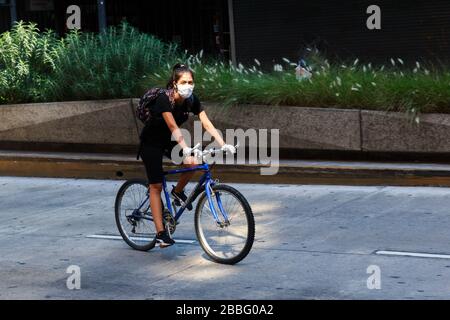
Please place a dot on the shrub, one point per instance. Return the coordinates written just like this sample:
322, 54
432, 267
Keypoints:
338, 85
122, 62
27, 57
111, 64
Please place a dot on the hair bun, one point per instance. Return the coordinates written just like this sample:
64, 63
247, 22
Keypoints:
178, 66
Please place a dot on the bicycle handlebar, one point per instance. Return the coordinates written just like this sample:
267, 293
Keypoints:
197, 146
214, 150
209, 151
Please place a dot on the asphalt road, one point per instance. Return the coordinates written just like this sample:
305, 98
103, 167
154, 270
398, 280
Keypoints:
312, 242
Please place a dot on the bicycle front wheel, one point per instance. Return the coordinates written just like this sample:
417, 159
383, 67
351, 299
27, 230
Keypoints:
225, 242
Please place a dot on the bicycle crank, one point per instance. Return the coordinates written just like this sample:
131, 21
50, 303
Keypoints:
169, 221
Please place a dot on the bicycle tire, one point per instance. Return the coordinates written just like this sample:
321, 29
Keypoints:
250, 221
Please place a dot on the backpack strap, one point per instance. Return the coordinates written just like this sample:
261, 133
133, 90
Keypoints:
170, 94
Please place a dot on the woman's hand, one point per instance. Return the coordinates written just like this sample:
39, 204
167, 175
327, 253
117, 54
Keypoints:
187, 152
228, 148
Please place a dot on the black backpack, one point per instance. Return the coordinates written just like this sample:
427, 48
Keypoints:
143, 111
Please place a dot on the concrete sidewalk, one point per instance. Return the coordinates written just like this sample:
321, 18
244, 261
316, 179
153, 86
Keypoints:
117, 166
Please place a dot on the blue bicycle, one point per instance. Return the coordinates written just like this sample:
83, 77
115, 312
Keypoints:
224, 221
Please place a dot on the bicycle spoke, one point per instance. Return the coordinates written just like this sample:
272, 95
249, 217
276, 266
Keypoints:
225, 241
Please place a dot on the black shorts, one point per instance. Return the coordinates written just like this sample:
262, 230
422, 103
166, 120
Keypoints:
152, 156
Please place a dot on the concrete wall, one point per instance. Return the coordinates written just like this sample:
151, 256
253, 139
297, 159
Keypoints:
390, 131
112, 122
300, 128
78, 122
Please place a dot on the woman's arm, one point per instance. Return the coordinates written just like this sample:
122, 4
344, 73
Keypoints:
173, 127
207, 124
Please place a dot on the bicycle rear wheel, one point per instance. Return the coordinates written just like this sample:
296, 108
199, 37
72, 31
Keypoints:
135, 222
225, 243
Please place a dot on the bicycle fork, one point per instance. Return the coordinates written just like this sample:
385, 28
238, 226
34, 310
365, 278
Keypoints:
211, 195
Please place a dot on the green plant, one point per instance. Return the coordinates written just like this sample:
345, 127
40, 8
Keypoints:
339, 85
26, 57
123, 62
111, 64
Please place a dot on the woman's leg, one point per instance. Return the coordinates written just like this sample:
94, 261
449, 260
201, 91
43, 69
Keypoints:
155, 205
152, 158
162, 237
185, 177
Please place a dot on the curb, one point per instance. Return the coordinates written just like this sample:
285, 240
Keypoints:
122, 167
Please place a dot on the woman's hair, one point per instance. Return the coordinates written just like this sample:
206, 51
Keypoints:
177, 71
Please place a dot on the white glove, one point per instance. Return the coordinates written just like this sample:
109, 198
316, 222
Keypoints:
228, 148
187, 152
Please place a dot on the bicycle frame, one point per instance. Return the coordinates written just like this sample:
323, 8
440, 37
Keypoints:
206, 181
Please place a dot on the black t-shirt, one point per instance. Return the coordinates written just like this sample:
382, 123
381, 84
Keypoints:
156, 132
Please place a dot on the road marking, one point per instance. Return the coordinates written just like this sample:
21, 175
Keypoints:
113, 237
413, 254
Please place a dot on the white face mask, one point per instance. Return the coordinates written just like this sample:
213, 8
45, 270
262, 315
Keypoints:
185, 90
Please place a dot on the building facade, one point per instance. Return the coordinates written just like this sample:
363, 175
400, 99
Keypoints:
195, 25
242, 30
410, 29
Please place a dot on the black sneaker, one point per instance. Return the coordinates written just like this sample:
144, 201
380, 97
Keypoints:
180, 197
164, 240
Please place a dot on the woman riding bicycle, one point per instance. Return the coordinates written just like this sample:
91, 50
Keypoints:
156, 141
